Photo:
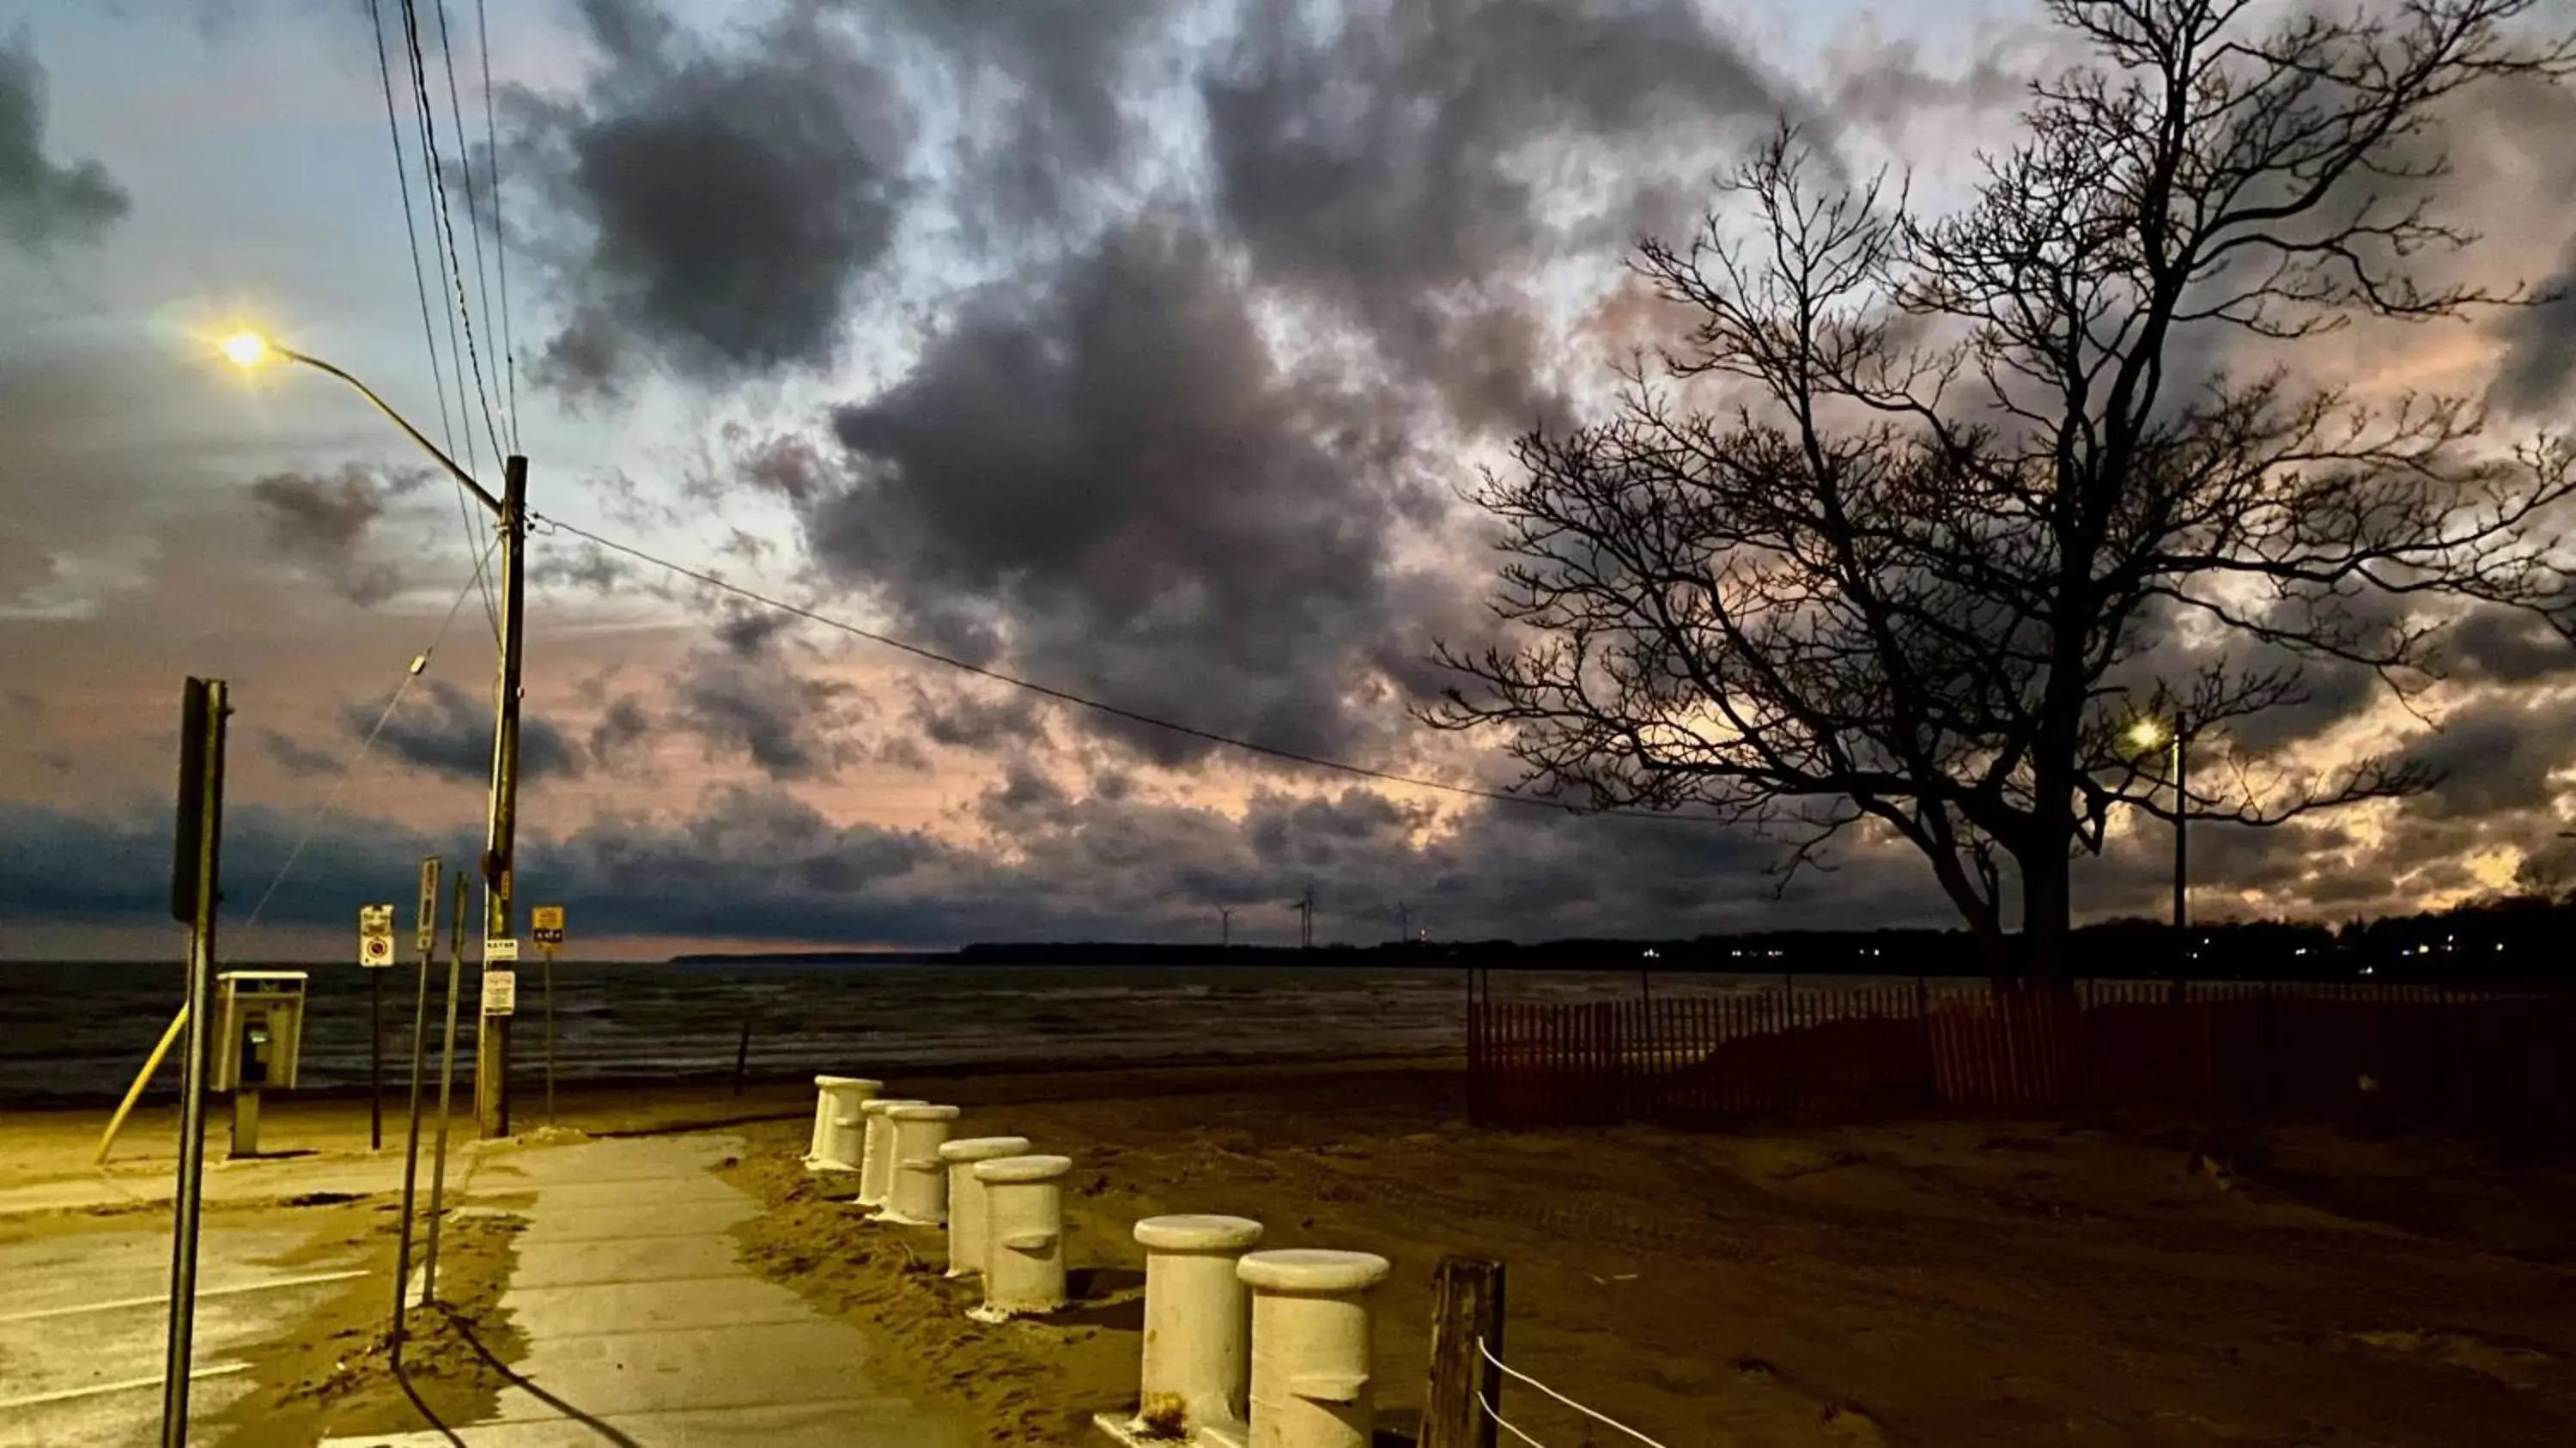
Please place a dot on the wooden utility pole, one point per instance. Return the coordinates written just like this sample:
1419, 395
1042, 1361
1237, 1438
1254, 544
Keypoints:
195, 876
1466, 1310
492, 1033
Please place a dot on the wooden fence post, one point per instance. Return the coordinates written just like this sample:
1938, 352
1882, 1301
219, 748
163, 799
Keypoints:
1923, 1014
1466, 1305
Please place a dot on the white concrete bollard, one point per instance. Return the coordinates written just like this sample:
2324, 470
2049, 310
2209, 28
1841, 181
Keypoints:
1197, 1325
966, 1196
1023, 1236
918, 1194
1310, 1347
876, 1154
837, 1125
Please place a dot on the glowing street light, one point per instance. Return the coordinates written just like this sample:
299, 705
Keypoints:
247, 349
2152, 733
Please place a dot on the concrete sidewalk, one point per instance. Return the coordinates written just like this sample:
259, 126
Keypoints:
644, 1326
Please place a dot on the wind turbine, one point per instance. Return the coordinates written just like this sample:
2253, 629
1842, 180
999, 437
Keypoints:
1224, 925
1306, 919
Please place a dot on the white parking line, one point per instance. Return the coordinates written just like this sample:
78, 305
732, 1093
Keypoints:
210, 1370
162, 1299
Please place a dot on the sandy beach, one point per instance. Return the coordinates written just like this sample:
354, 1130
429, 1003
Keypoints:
2125, 1281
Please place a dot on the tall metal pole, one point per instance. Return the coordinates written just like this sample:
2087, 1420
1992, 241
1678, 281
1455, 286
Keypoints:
492, 1038
2182, 855
427, 941
446, 1080
375, 1060
195, 882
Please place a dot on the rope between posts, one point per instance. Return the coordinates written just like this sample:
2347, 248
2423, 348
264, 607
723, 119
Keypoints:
1502, 1422
1488, 1354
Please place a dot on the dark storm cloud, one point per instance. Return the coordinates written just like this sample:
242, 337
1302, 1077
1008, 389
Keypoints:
297, 757
791, 467
622, 726
2495, 756
320, 520
759, 708
42, 202
1369, 160
586, 564
443, 729
2511, 138
1114, 472
761, 865
964, 721
2539, 360
2505, 646
734, 200
746, 631
1042, 86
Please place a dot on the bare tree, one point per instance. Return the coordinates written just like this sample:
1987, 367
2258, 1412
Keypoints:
1986, 474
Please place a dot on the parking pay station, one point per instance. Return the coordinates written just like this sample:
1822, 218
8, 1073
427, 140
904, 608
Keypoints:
259, 1020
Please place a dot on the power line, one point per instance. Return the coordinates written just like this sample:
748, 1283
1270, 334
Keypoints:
1114, 711
419, 664
423, 123
473, 214
500, 234
446, 218
420, 290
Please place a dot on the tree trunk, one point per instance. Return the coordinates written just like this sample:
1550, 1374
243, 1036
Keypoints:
1997, 950
1984, 917
2047, 907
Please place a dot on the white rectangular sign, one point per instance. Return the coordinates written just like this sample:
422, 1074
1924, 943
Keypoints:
500, 992
375, 936
501, 948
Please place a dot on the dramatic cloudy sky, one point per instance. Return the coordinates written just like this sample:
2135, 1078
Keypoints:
1141, 347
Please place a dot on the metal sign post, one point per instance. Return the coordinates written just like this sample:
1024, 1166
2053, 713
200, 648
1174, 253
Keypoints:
375, 952
446, 1082
425, 936
195, 877
547, 926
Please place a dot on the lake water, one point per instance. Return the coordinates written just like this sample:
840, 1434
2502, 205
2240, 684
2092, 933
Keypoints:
81, 1031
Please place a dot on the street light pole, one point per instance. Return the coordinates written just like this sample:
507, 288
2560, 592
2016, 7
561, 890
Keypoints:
2182, 847
492, 1053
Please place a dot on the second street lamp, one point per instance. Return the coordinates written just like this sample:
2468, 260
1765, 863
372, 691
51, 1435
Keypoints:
501, 822
2147, 734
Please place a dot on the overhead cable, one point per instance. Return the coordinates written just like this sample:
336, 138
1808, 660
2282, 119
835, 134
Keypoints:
1112, 710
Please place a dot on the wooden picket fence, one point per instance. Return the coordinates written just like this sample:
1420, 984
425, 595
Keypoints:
2493, 1058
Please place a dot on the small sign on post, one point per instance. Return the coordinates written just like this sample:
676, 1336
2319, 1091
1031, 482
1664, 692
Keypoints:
500, 992
375, 936
501, 950
546, 926
425, 936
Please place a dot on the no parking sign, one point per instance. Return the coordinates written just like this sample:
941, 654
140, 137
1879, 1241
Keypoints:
375, 936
